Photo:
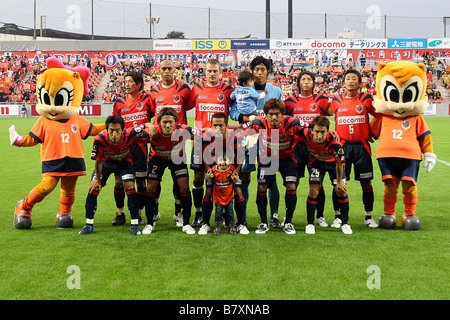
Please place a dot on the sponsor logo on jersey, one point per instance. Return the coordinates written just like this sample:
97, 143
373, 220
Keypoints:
134, 116
351, 120
211, 107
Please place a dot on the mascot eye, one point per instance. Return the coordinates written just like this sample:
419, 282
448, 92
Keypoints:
391, 92
63, 97
411, 93
43, 96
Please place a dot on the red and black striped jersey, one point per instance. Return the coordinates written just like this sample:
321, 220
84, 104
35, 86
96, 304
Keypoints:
134, 112
174, 146
275, 142
352, 116
329, 151
231, 146
104, 150
307, 108
174, 96
208, 100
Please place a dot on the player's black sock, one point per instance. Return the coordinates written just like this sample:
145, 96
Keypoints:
207, 207
150, 207
119, 197
197, 195
186, 206
261, 203
320, 203
368, 199
239, 207
91, 204
343, 207
311, 205
133, 203
291, 201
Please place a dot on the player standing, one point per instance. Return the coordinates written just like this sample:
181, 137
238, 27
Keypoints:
170, 93
306, 106
352, 110
134, 108
208, 98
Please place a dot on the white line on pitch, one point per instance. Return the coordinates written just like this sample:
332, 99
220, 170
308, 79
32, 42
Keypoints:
444, 162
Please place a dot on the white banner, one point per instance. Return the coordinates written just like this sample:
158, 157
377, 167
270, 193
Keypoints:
172, 44
289, 44
328, 44
9, 110
442, 43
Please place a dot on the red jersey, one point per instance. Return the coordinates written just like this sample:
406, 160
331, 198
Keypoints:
174, 96
329, 151
171, 147
208, 100
352, 116
223, 190
275, 142
231, 146
107, 151
133, 111
307, 108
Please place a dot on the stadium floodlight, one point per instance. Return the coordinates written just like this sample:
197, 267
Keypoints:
152, 21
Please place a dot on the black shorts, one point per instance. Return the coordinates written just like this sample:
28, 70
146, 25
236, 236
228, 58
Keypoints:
318, 169
139, 154
358, 156
122, 169
286, 166
302, 155
157, 166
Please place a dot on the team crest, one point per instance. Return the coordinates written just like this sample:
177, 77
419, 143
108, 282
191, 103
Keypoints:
176, 98
74, 128
139, 105
313, 107
359, 108
282, 137
406, 124
220, 97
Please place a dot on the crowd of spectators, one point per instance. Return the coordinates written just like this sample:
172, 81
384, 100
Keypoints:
18, 76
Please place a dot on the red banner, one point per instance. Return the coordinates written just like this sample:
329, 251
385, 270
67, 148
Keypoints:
83, 110
111, 58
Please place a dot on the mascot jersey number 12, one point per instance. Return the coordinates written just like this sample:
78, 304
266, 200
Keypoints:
60, 131
403, 137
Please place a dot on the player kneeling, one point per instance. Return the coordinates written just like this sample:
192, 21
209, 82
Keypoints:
327, 155
111, 152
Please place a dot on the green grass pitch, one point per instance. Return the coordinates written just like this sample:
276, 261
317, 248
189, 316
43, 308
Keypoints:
171, 265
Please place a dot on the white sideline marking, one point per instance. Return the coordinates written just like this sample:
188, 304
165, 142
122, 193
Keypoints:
444, 162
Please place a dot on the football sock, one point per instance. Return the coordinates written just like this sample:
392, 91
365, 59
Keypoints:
368, 199
186, 206
133, 203
274, 199
344, 207
291, 201
239, 207
207, 207
119, 197
320, 203
261, 203
311, 205
91, 204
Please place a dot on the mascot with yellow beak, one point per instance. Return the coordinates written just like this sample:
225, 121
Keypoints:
60, 131
403, 137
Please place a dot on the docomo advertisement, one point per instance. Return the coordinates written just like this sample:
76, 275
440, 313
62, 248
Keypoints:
172, 45
312, 44
83, 110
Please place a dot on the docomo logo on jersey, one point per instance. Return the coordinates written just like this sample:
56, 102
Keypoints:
177, 108
351, 120
135, 116
305, 117
329, 44
211, 107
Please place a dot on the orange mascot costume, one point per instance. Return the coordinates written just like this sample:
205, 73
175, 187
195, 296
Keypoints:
403, 137
60, 131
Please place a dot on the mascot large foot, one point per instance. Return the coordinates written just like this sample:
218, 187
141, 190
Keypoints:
387, 221
411, 222
64, 221
22, 218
